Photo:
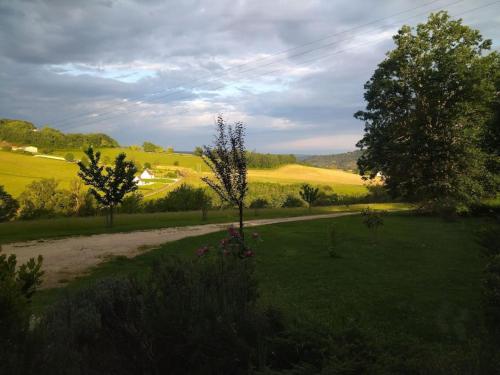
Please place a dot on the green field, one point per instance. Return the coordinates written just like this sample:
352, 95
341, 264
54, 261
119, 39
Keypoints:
24, 230
419, 279
18, 170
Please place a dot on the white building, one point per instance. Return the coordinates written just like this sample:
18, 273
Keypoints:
31, 149
139, 182
147, 175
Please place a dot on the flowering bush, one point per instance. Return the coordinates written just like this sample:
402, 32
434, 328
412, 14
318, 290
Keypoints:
233, 245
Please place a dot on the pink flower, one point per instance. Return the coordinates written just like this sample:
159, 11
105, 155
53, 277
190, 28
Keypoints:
224, 242
233, 232
249, 253
202, 251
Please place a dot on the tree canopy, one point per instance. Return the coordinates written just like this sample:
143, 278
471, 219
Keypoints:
108, 184
427, 106
24, 132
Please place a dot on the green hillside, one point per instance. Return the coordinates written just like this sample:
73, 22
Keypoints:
345, 161
25, 133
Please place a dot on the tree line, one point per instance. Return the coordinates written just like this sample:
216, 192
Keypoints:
25, 133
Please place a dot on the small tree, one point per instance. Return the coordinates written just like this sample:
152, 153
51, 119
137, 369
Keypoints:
309, 194
198, 151
227, 160
110, 187
8, 205
372, 219
69, 157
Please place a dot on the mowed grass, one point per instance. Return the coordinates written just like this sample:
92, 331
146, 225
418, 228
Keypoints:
17, 171
419, 277
74, 226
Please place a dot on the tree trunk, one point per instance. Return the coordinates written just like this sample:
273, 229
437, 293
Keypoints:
240, 209
110, 216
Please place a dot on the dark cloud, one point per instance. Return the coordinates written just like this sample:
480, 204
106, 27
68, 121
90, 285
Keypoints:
161, 70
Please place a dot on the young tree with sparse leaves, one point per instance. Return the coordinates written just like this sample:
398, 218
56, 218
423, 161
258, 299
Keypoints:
309, 194
427, 105
227, 160
108, 184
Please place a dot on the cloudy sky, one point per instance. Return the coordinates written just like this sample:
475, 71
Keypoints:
292, 71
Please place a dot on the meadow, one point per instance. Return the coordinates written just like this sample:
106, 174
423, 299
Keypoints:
18, 170
25, 230
417, 280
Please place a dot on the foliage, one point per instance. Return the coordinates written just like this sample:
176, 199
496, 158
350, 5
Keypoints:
147, 165
132, 203
292, 201
183, 198
23, 132
309, 194
227, 160
69, 157
372, 218
185, 318
265, 161
150, 147
346, 161
41, 198
17, 286
258, 203
170, 150
8, 205
427, 104
198, 151
110, 187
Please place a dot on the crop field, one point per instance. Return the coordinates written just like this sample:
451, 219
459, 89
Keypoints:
18, 170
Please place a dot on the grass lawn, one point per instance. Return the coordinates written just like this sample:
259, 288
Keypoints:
420, 277
71, 226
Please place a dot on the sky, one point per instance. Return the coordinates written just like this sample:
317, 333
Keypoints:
161, 71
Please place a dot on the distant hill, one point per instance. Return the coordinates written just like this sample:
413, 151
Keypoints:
345, 161
25, 133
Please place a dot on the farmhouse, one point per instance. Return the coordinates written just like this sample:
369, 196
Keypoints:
147, 175
138, 181
31, 149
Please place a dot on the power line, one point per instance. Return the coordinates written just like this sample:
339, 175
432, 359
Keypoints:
315, 59
270, 56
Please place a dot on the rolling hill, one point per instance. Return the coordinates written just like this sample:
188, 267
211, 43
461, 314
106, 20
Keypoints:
346, 161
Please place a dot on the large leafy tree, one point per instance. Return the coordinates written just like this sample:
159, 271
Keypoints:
427, 104
108, 184
227, 159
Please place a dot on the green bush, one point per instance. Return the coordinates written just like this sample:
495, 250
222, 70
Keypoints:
292, 201
132, 203
17, 286
8, 205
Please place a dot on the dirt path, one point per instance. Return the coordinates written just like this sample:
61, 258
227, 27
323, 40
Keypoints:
69, 257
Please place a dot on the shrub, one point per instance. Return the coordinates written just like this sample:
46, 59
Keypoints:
186, 317
8, 205
132, 203
259, 203
17, 286
292, 201
372, 219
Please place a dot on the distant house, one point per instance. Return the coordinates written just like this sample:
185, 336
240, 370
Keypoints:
139, 182
31, 149
147, 175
